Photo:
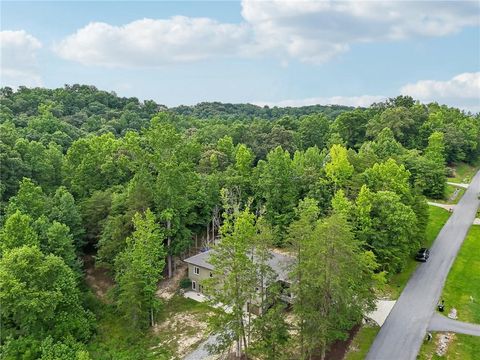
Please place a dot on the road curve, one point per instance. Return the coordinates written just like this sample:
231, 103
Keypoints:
402, 334
442, 323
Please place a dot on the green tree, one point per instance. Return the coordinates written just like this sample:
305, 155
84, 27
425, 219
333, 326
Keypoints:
67, 349
17, 232
233, 281
314, 131
329, 297
387, 227
62, 208
386, 146
351, 126
39, 298
238, 177
399, 120
435, 150
171, 158
29, 200
58, 241
95, 163
338, 169
277, 186
270, 332
389, 176
138, 269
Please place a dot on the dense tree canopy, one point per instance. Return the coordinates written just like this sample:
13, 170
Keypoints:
137, 184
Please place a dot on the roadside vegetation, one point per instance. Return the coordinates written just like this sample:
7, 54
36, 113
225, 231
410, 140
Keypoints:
462, 288
364, 337
437, 218
462, 292
464, 172
461, 347
361, 343
134, 186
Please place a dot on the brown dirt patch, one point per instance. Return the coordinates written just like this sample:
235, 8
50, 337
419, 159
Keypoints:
168, 287
340, 347
97, 278
182, 332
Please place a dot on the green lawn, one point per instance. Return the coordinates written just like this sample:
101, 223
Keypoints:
462, 285
464, 172
361, 343
463, 281
179, 320
463, 347
438, 217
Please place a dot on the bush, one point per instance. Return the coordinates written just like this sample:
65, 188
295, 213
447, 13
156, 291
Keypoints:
185, 283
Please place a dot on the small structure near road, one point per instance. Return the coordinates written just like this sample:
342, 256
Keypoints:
453, 314
383, 308
460, 185
443, 206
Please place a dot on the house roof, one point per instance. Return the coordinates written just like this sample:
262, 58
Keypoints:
201, 260
278, 262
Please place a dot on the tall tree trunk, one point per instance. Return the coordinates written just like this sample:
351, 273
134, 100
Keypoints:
324, 346
213, 229
239, 347
208, 234
169, 256
245, 344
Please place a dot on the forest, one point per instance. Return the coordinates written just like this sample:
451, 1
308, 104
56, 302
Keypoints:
139, 185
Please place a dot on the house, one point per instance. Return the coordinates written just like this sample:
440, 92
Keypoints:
199, 269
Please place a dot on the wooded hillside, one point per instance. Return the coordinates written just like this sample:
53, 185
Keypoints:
134, 183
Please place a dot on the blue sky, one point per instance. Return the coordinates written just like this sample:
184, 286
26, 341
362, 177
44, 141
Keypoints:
269, 52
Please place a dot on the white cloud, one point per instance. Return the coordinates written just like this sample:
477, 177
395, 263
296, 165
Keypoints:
316, 31
362, 100
19, 58
149, 42
310, 31
462, 91
464, 86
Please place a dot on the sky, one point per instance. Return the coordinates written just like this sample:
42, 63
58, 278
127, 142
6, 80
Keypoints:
285, 53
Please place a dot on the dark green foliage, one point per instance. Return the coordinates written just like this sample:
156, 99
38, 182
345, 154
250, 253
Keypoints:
50, 301
77, 164
278, 189
185, 283
351, 126
138, 268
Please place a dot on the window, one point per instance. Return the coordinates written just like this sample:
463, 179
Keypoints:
194, 285
211, 274
196, 270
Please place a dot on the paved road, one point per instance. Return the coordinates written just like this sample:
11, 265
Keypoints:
402, 333
443, 323
201, 353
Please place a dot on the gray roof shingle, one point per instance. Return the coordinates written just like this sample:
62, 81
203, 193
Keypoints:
278, 262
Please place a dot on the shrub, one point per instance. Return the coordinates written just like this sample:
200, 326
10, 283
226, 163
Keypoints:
185, 283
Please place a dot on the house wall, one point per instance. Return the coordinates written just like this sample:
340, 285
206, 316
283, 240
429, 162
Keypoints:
203, 275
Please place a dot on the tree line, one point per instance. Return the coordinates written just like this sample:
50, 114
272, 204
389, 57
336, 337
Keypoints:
84, 170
